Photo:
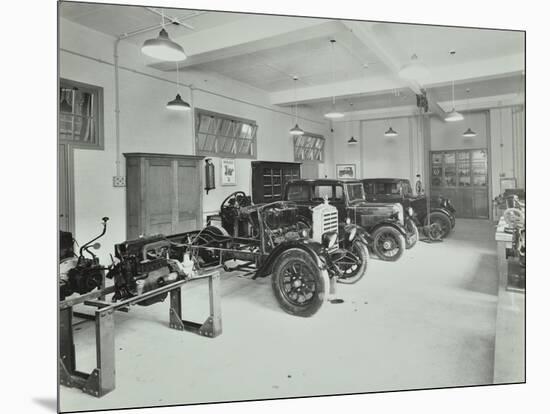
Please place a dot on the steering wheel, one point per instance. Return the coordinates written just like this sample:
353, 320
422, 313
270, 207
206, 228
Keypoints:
236, 200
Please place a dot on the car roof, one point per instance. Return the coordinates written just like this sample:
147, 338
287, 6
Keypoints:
384, 180
324, 181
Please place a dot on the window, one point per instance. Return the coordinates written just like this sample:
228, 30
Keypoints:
298, 192
309, 147
80, 114
223, 135
333, 193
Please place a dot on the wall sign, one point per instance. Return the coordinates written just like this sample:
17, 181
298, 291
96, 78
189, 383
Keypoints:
227, 173
345, 171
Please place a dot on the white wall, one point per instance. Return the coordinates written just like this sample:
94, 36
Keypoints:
376, 155
448, 135
507, 146
146, 126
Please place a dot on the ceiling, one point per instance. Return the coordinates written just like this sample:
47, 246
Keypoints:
361, 67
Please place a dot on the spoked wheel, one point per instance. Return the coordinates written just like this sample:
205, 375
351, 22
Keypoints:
443, 221
353, 263
388, 243
298, 283
412, 233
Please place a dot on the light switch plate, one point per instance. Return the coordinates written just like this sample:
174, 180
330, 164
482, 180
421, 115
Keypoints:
119, 181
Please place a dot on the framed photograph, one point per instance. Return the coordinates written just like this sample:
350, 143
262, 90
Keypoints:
227, 171
345, 171
506, 184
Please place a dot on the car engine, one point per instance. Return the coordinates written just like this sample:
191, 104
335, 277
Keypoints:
146, 264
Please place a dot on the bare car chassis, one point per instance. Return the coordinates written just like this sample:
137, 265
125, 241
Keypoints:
102, 379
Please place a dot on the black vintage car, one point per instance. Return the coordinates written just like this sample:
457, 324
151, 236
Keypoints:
398, 190
381, 224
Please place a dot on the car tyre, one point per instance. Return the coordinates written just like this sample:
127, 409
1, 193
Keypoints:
412, 234
388, 243
443, 220
299, 285
359, 249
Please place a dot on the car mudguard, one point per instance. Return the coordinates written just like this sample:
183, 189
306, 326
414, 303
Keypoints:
311, 248
392, 223
444, 211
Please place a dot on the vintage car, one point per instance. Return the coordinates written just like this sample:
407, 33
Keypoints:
381, 224
261, 240
398, 190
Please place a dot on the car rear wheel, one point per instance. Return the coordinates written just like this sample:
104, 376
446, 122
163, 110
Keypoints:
388, 243
412, 233
354, 265
443, 220
298, 283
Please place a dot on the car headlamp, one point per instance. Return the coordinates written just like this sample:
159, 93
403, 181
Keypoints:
348, 221
304, 233
352, 234
410, 211
329, 239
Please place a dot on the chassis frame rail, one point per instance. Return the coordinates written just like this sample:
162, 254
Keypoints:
102, 379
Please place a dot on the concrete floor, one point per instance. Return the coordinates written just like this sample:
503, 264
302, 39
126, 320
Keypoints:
426, 321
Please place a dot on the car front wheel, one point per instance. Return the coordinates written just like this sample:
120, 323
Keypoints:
388, 243
299, 285
412, 233
354, 264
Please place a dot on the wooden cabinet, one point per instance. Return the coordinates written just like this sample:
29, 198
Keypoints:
269, 179
163, 194
462, 176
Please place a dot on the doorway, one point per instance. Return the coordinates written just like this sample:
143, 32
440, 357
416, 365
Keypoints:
65, 187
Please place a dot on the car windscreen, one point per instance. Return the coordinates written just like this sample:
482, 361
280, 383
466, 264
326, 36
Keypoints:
298, 192
332, 192
355, 192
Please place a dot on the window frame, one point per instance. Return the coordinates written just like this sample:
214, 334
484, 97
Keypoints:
97, 93
216, 153
312, 135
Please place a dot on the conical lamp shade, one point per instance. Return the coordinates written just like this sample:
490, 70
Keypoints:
163, 48
178, 104
454, 116
352, 141
469, 133
390, 133
296, 130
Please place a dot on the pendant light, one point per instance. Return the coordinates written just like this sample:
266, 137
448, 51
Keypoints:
333, 113
163, 48
352, 140
391, 132
178, 104
454, 115
296, 130
468, 133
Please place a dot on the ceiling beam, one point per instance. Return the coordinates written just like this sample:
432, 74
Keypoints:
365, 33
247, 35
319, 93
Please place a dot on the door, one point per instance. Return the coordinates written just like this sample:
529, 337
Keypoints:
188, 193
65, 187
159, 196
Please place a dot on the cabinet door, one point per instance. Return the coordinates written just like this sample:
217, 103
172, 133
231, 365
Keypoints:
159, 196
187, 211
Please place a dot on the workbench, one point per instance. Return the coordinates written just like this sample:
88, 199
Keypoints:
509, 363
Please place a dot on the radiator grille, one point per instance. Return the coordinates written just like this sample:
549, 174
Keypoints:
325, 218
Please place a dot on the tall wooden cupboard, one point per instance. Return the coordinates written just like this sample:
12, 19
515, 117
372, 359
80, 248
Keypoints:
163, 194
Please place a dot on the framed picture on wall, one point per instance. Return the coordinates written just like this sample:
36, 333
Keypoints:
227, 171
345, 171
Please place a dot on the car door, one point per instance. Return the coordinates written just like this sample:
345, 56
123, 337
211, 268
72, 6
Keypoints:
300, 193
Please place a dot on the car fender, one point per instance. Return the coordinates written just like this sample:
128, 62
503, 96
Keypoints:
311, 248
392, 223
444, 211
